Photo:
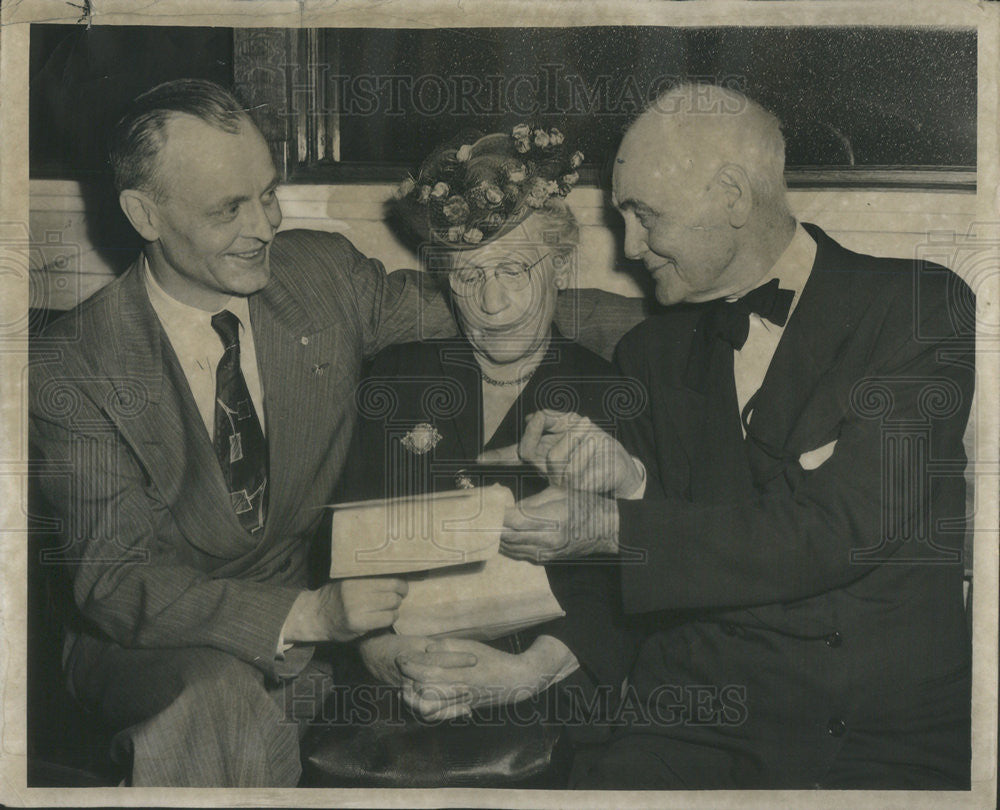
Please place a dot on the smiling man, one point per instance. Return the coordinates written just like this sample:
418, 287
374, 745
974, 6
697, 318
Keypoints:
793, 564
211, 391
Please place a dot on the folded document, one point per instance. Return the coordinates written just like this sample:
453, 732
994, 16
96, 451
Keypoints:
447, 544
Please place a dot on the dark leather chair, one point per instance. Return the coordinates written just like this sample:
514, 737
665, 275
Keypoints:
367, 737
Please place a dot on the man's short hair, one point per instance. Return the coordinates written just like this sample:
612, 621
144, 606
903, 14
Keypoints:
138, 136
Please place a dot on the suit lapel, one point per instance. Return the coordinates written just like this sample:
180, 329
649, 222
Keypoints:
800, 378
456, 362
160, 427
289, 352
689, 395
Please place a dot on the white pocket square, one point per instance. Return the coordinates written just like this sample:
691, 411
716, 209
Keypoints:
814, 458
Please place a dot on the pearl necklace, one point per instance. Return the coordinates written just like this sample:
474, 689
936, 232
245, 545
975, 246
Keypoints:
504, 383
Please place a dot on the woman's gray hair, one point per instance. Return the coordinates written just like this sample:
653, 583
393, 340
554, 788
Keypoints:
560, 229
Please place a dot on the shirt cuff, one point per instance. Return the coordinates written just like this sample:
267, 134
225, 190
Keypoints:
279, 653
640, 490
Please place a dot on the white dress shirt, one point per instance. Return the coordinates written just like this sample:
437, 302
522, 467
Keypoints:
750, 364
199, 348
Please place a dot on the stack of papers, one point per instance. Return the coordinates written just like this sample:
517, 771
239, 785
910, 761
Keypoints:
447, 544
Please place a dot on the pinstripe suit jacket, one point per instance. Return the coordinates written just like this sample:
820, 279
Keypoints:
157, 555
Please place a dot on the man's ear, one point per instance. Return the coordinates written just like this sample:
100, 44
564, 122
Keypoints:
735, 184
140, 209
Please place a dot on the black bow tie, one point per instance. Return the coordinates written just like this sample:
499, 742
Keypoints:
730, 320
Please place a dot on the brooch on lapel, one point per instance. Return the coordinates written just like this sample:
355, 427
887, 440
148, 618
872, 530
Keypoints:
423, 438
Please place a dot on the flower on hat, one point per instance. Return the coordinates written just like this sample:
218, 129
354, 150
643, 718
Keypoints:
456, 209
566, 183
515, 170
540, 191
521, 132
475, 187
486, 195
493, 221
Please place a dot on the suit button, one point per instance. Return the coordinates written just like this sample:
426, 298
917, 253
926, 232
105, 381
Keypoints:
836, 727
834, 639
285, 565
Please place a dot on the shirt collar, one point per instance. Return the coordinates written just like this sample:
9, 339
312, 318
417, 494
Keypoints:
173, 313
793, 266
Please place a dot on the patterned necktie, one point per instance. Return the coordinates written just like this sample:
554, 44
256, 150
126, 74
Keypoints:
239, 439
731, 319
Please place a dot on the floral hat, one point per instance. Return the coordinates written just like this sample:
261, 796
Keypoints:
475, 188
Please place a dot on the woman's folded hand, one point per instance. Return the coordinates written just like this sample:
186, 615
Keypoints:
496, 677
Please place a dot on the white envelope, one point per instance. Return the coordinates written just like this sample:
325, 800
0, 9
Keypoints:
481, 601
418, 533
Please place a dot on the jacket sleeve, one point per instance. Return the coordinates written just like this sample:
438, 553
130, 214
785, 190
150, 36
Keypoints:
598, 319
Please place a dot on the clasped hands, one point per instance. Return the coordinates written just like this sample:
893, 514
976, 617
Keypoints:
587, 469
448, 678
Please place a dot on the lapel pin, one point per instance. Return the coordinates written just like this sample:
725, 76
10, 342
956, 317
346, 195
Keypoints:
320, 368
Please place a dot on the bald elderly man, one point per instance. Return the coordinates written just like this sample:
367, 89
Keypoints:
793, 567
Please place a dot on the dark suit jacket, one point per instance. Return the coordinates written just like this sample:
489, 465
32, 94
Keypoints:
831, 598
438, 382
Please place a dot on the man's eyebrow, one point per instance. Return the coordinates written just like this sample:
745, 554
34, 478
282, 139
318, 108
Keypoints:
238, 200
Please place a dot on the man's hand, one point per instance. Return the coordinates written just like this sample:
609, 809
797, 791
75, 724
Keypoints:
571, 451
345, 609
497, 677
560, 524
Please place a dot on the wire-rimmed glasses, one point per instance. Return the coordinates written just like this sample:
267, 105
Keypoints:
512, 275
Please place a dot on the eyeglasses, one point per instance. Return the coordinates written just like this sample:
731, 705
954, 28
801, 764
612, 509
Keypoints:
511, 275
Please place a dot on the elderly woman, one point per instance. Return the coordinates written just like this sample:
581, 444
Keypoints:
498, 233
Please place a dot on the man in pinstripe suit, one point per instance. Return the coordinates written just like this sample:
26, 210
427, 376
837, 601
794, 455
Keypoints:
192, 620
